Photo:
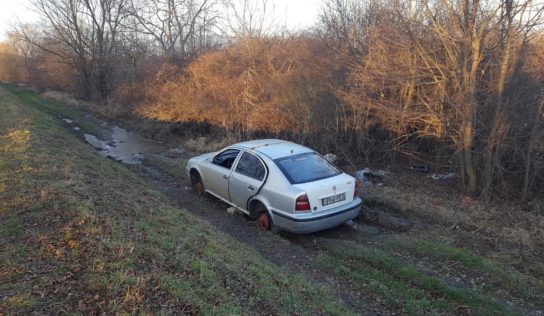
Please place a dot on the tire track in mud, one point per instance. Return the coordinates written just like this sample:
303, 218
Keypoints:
294, 253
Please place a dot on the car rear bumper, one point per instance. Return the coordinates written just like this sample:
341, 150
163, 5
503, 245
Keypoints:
312, 222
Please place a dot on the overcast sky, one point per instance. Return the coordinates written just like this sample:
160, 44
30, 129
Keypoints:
295, 14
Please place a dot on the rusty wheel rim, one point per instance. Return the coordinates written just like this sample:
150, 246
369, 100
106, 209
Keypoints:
263, 222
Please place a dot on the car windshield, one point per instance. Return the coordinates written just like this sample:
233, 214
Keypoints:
306, 167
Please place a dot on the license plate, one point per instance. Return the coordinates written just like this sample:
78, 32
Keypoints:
333, 199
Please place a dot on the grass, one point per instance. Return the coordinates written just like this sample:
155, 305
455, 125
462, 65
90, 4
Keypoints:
174, 167
11, 227
517, 229
84, 234
502, 277
59, 110
400, 283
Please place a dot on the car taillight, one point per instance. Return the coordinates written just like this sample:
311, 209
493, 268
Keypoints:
302, 203
356, 191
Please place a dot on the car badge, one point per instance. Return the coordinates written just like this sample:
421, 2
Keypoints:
334, 188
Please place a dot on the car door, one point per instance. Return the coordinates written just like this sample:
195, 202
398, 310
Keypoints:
216, 172
246, 179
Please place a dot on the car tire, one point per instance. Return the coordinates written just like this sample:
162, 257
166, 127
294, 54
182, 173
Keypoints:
196, 182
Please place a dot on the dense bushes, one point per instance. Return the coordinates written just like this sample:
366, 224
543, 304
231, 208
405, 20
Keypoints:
257, 84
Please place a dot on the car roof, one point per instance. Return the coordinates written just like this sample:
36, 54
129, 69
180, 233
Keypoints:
274, 148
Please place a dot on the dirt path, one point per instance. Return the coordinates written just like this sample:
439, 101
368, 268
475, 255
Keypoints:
290, 251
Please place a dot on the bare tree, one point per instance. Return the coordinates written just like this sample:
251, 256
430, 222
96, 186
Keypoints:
182, 28
88, 32
435, 70
345, 22
250, 18
517, 20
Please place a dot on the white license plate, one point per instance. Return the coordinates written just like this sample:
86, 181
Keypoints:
333, 199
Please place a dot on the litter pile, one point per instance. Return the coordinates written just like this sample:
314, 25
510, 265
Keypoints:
369, 177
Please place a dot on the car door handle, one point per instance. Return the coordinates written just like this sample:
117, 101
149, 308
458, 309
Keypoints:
225, 177
251, 187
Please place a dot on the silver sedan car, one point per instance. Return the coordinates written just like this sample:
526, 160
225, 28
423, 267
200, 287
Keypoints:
281, 184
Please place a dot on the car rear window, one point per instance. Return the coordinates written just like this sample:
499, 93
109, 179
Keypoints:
306, 167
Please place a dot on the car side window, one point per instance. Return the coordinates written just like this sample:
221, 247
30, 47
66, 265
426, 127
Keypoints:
226, 158
251, 166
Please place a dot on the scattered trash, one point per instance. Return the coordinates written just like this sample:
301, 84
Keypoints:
77, 128
364, 176
420, 168
187, 188
231, 210
331, 158
378, 173
67, 120
438, 176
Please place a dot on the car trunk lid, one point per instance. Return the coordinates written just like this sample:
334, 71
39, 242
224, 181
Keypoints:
329, 193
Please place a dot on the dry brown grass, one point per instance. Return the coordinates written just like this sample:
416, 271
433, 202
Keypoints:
108, 108
506, 230
205, 144
65, 98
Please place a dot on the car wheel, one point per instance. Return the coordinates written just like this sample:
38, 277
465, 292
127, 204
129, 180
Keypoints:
196, 181
264, 222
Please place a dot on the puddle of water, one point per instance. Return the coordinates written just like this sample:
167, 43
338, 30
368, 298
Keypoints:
118, 143
124, 146
129, 147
